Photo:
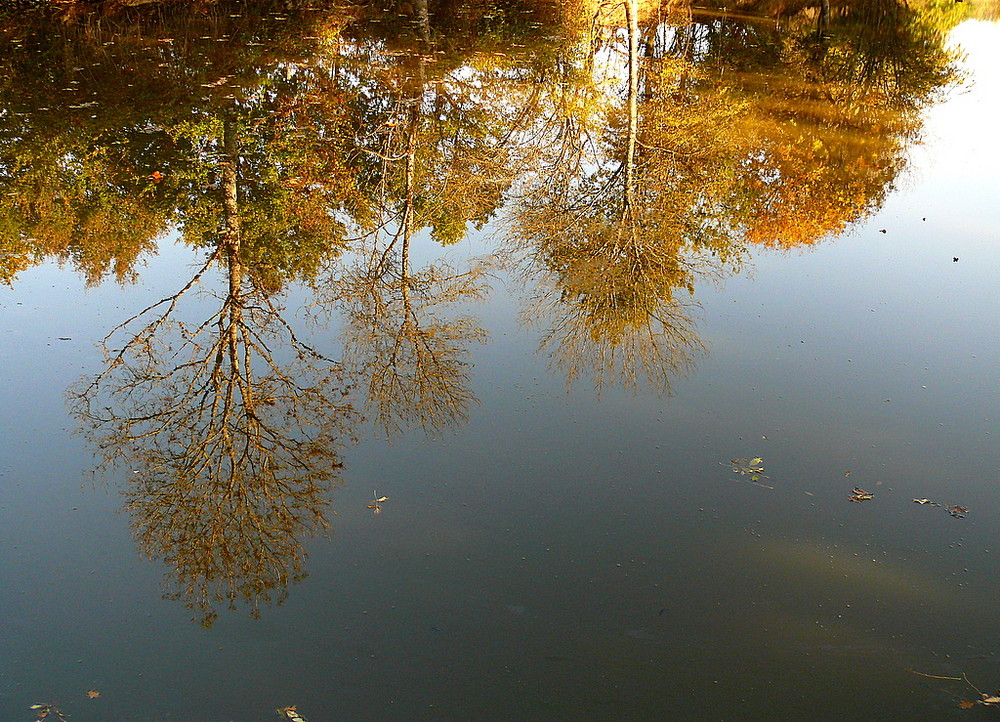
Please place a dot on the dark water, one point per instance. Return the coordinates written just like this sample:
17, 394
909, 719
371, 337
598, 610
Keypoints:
542, 347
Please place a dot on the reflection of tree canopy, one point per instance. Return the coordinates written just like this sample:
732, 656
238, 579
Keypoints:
233, 448
633, 151
409, 358
725, 131
231, 423
827, 122
110, 136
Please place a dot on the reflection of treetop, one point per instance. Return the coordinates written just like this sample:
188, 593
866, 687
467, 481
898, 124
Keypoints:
110, 132
232, 427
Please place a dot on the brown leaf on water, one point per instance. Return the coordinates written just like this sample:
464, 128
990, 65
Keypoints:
93, 694
966, 704
860, 494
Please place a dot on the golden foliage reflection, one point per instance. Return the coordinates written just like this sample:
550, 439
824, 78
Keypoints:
629, 151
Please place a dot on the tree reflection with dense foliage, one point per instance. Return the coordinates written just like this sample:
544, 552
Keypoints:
632, 152
616, 222
726, 132
436, 162
234, 451
232, 426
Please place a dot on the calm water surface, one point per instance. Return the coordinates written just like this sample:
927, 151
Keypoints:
563, 536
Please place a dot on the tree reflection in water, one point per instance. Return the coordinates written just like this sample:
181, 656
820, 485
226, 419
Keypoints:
630, 150
232, 426
724, 132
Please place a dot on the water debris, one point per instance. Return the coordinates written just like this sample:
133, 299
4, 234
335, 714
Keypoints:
859, 494
291, 713
753, 468
984, 699
376, 505
43, 711
956, 510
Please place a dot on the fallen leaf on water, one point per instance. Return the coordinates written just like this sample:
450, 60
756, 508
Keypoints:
860, 495
966, 704
754, 468
44, 710
922, 501
957, 511
376, 506
291, 713
93, 694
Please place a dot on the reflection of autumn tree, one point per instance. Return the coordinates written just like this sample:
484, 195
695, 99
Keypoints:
612, 307
62, 197
827, 121
434, 143
616, 224
111, 133
437, 149
233, 447
412, 360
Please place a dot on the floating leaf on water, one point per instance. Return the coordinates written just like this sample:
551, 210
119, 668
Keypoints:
375, 506
860, 495
291, 713
44, 710
93, 694
754, 468
922, 501
966, 704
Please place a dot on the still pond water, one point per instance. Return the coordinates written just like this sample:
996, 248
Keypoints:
553, 427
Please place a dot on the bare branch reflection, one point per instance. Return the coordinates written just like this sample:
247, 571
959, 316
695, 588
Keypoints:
412, 360
232, 428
